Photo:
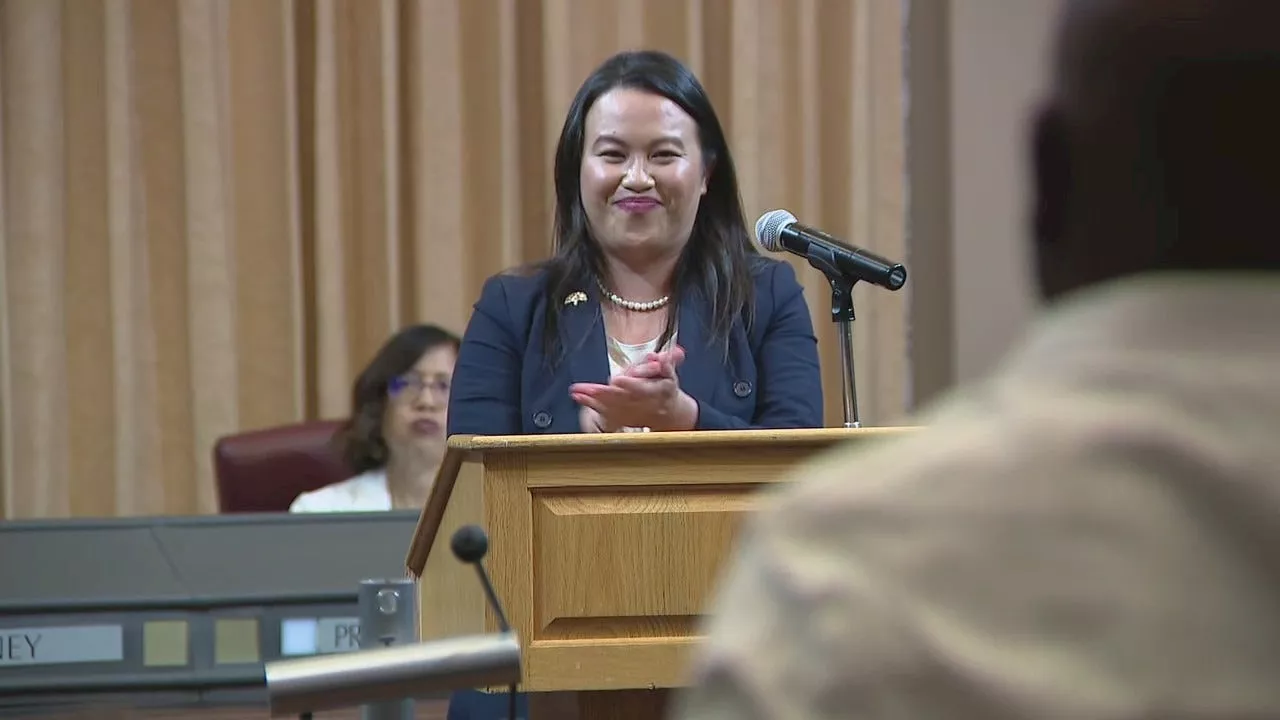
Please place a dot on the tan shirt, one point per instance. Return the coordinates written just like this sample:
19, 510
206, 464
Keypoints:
1093, 533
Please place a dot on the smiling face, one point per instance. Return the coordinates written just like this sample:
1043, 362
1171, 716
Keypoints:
642, 174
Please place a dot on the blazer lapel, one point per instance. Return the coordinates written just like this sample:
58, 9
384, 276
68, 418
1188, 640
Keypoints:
703, 366
582, 335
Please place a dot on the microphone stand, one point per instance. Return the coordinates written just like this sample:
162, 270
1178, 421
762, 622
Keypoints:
843, 315
470, 543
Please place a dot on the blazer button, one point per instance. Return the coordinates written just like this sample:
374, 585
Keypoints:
542, 419
742, 388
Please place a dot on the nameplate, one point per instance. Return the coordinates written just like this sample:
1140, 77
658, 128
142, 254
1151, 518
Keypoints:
61, 645
334, 635
319, 636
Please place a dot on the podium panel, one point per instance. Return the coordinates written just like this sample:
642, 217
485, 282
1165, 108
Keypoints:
604, 549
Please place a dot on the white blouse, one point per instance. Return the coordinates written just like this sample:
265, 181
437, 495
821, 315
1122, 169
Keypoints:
366, 492
623, 355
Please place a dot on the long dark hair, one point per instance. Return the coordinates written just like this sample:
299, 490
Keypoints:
718, 258
360, 440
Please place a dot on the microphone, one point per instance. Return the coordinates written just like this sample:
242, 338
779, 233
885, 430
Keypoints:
778, 230
399, 672
844, 265
470, 544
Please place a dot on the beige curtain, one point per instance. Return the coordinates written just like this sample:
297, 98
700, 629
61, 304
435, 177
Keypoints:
214, 211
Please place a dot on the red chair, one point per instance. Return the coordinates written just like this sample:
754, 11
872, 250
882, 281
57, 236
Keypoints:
265, 470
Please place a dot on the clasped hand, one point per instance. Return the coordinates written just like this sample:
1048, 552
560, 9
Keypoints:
646, 394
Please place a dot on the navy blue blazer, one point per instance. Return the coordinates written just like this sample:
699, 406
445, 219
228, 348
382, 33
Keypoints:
503, 383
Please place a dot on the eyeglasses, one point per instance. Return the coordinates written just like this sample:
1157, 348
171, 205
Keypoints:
411, 385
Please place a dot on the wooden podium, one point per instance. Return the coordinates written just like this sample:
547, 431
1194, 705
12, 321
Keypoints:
604, 550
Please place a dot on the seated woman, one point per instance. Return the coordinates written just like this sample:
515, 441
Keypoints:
395, 437
656, 312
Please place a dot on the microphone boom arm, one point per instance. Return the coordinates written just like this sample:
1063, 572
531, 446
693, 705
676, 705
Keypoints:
328, 682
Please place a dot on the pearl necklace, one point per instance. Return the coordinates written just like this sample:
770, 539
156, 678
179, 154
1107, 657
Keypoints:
632, 305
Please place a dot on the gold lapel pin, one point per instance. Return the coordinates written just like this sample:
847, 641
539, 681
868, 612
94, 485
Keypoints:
575, 298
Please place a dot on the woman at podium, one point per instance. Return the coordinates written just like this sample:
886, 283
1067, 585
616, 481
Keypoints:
655, 312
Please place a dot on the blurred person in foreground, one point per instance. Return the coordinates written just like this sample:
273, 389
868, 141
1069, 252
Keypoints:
394, 439
1093, 531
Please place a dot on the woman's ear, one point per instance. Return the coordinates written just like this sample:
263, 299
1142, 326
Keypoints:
1052, 192
1051, 177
